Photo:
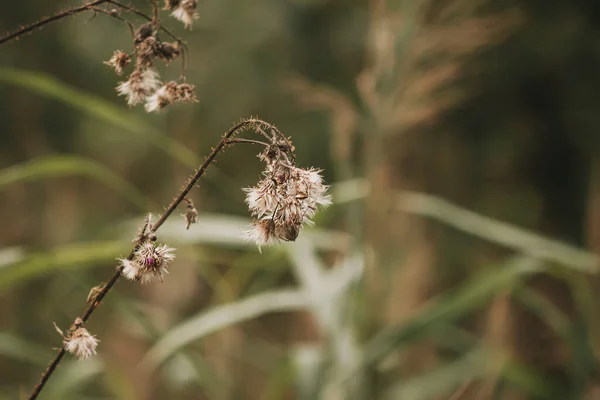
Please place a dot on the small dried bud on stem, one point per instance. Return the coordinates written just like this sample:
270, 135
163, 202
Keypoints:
149, 263
94, 292
191, 214
119, 61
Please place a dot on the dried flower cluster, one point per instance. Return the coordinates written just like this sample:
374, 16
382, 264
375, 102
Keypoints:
143, 85
78, 341
285, 199
149, 263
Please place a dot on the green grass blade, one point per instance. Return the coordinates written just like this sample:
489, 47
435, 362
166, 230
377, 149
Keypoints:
471, 296
79, 255
72, 375
12, 346
99, 108
67, 165
220, 317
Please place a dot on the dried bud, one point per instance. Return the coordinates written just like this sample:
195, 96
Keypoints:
94, 292
143, 32
184, 11
191, 214
140, 84
168, 51
186, 93
147, 50
119, 61
79, 342
149, 263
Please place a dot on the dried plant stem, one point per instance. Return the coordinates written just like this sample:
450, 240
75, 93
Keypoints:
44, 21
91, 6
251, 123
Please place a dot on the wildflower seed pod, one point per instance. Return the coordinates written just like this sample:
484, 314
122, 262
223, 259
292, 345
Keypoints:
80, 342
149, 263
184, 11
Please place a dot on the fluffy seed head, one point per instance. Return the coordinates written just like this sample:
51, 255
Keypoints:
164, 96
118, 61
261, 232
150, 263
139, 85
285, 199
80, 343
185, 11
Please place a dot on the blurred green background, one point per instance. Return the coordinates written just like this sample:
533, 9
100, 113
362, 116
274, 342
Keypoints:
457, 262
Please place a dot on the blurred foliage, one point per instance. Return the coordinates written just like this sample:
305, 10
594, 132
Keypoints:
459, 260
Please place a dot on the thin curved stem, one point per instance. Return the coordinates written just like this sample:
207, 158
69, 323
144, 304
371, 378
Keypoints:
105, 12
146, 17
44, 21
240, 140
225, 141
256, 123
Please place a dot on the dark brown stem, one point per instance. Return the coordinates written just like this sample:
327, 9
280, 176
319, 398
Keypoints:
48, 20
255, 124
240, 140
110, 14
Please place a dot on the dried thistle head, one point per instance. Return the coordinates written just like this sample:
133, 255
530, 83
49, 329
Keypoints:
164, 96
149, 263
118, 61
79, 341
169, 93
143, 32
140, 84
285, 199
184, 11
147, 50
168, 51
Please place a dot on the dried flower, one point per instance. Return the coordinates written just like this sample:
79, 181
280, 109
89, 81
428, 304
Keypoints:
147, 50
170, 92
285, 199
168, 51
140, 84
162, 97
186, 93
149, 263
261, 232
119, 61
79, 342
184, 11
143, 32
